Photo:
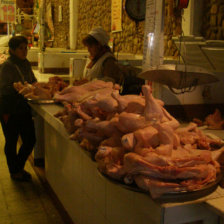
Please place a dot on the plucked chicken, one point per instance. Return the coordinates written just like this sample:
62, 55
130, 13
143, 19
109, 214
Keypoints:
138, 141
41, 90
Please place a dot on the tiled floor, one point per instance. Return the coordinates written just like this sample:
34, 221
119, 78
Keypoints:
24, 202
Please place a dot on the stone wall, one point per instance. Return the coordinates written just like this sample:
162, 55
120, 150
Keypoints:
213, 20
94, 13
61, 29
98, 13
172, 27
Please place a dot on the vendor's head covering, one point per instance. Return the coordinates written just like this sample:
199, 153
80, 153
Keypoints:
100, 35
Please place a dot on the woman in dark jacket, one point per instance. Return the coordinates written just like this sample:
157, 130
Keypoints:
15, 112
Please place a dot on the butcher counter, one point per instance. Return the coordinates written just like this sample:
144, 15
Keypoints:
90, 198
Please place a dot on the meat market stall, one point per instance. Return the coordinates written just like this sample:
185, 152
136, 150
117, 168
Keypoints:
126, 159
90, 197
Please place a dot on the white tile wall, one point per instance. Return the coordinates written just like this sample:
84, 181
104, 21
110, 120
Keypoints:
87, 175
151, 212
195, 97
56, 58
91, 213
189, 214
99, 192
119, 204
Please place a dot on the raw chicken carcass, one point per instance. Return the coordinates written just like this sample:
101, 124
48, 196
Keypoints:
96, 131
129, 103
110, 161
105, 103
137, 140
32, 91
68, 118
39, 93
135, 164
214, 121
40, 90
92, 137
159, 136
130, 122
113, 141
193, 136
218, 155
154, 110
105, 128
85, 91
147, 137
79, 111
128, 141
189, 128
166, 138
172, 122
157, 187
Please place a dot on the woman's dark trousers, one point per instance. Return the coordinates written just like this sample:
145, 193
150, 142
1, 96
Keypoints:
14, 126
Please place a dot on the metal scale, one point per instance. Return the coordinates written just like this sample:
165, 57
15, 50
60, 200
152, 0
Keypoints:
179, 77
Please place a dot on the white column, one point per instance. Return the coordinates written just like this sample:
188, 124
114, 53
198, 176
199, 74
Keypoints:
153, 39
73, 26
192, 18
153, 36
42, 36
42, 24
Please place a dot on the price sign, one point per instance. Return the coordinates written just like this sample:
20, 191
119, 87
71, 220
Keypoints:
7, 11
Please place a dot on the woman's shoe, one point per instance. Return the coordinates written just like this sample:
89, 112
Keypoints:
21, 176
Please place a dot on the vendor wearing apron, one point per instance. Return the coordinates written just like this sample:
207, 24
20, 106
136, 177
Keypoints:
101, 63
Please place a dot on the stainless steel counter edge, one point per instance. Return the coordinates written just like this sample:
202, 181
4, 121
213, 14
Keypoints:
47, 111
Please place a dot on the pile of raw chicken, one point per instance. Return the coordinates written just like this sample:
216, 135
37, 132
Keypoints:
136, 141
41, 90
212, 121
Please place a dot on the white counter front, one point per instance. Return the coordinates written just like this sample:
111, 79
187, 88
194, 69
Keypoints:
90, 198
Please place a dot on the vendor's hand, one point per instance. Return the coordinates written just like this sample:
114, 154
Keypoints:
26, 89
18, 86
23, 88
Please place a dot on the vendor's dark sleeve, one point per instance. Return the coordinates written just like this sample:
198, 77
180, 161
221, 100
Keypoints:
7, 78
10, 100
112, 71
33, 78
